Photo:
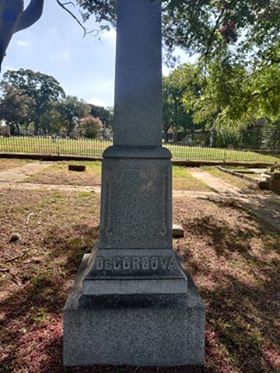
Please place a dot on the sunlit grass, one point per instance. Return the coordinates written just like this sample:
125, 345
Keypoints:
95, 148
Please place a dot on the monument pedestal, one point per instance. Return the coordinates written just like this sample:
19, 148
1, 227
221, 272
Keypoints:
132, 303
136, 330
134, 254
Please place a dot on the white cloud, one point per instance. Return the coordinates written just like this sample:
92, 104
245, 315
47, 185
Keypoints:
23, 43
61, 55
103, 85
96, 101
165, 70
109, 36
7, 67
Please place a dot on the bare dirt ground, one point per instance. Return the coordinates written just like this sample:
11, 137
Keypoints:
264, 205
6, 164
50, 187
18, 174
58, 174
233, 257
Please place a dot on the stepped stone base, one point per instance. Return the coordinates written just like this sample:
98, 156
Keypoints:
135, 330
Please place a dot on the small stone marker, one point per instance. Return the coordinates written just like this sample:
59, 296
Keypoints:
177, 231
77, 168
132, 303
14, 237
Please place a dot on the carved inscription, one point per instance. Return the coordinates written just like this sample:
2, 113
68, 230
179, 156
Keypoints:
135, 263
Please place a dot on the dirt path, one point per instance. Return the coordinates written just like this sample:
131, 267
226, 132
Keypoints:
19, 174
59, 188
214, 182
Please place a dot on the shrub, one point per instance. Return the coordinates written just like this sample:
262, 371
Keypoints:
89, 127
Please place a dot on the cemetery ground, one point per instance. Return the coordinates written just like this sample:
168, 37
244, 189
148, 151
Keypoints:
233, 257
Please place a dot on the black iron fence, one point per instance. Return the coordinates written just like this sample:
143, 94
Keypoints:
94, 148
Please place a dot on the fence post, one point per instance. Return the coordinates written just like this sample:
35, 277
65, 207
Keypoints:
225, 152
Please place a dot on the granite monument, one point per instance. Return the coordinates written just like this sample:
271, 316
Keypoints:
132, 303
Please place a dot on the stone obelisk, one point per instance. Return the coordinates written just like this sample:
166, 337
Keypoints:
132, 303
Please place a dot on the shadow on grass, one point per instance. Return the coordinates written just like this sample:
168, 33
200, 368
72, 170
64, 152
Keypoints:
241, 336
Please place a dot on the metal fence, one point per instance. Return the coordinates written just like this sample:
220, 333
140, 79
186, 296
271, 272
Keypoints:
94, 148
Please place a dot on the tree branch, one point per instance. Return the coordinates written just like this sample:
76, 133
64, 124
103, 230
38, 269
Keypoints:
64, 6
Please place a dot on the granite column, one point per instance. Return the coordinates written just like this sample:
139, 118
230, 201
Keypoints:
132, 302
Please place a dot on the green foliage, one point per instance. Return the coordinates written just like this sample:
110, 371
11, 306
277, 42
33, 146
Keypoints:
33, 102
15, 107
176, 115
208, 27
227, 99
71, 109
104, 114
42, 89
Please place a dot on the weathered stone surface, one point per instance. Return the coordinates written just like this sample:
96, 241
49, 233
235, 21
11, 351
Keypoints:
136, 200
135, 241
138, 85
142, 271
137, 330
177, 231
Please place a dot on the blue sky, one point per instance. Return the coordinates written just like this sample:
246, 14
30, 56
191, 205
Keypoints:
84, 66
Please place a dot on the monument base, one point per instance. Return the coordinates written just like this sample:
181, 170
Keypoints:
135, 330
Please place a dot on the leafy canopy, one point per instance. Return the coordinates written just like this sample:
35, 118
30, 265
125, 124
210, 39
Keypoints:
209, 27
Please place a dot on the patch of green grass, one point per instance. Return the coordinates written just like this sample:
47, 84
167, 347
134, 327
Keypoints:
219, 154
84, 194
184, 180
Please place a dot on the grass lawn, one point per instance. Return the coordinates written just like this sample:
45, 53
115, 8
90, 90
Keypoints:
234, 261
217, 154
85, 147
183, 180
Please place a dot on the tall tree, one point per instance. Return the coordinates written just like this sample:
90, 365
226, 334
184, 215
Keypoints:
176, 115
15, 108
72, 110
209, 27
41, 88
104, 114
